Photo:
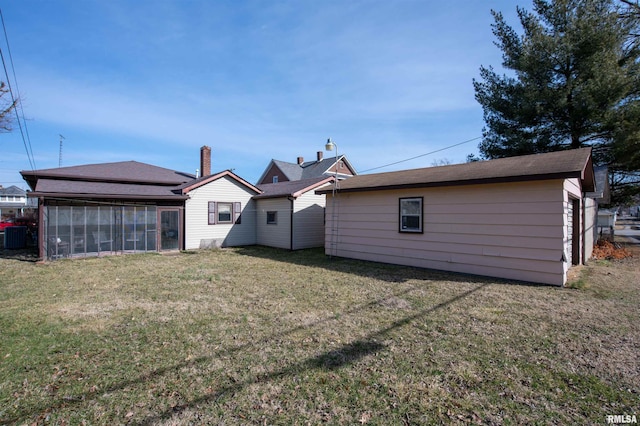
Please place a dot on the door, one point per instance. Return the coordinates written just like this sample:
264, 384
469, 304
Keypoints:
169, 229
573, 231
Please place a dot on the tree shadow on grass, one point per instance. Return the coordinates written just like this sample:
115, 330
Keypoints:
343, 356
337, 358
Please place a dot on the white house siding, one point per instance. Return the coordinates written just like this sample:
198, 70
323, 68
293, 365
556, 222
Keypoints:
198, 232
572, 195
278, 235
308, 221
511, 230
590, 227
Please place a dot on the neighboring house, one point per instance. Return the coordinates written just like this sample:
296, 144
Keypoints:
290, 215
280, 171
593, 200
13, 201
518, 218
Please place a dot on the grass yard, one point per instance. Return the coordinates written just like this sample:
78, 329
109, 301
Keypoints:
262, 336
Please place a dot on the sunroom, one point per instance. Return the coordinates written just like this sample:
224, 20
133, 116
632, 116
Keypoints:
110, 208
86, 230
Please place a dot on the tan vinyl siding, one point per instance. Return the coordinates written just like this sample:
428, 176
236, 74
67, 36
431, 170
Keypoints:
511, 230
278, 235
308, 222
198, 230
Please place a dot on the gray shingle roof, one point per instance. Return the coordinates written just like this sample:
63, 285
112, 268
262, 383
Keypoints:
127, 180
92, 189
291, 171
125, 171
12, 191
561, 164
291, 188
306, 170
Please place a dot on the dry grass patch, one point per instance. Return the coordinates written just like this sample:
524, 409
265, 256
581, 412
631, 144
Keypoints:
257, 335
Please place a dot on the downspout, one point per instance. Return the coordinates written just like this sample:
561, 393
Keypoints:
292, 199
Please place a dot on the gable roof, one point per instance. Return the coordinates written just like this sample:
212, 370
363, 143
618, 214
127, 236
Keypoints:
576, 163
291, 188
197, 183
306, 170
13, 191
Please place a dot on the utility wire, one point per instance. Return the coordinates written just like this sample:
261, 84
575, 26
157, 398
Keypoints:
422, 155
22, 124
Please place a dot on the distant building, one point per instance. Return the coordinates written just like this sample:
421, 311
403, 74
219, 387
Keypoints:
281, 171
13, 201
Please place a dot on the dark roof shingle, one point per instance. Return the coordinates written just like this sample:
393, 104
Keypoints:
291, 188
561, 164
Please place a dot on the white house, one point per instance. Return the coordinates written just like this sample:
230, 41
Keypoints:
290, 215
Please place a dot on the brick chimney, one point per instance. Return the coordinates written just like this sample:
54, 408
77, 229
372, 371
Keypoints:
320, 156
205, 161
300, 161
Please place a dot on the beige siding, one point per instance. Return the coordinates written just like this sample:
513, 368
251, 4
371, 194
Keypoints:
308, 221
278, 235
198, 231
512, 230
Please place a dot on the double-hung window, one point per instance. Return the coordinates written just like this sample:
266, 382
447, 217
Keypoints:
411, 214
221, 213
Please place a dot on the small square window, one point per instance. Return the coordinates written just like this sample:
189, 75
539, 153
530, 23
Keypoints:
275, 179
272, 218
411, 214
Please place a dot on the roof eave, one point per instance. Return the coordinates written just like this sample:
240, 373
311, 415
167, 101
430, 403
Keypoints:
506, 179
76, 196
218, 176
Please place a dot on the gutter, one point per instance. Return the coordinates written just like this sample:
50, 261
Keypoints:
77, 196
292, 199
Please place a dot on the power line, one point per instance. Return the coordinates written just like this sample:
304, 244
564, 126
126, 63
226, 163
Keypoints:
422, 155
21, 123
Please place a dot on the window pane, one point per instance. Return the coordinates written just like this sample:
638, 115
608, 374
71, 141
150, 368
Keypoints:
411, 207
79, 233
224, 212
411, 222
272, 218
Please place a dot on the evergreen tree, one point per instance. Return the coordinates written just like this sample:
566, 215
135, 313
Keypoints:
573, 81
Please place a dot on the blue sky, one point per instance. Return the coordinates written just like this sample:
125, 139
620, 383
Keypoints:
153, 81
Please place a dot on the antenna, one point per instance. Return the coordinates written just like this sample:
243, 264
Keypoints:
60, 155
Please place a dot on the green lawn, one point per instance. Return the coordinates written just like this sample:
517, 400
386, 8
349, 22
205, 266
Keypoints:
263, 336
